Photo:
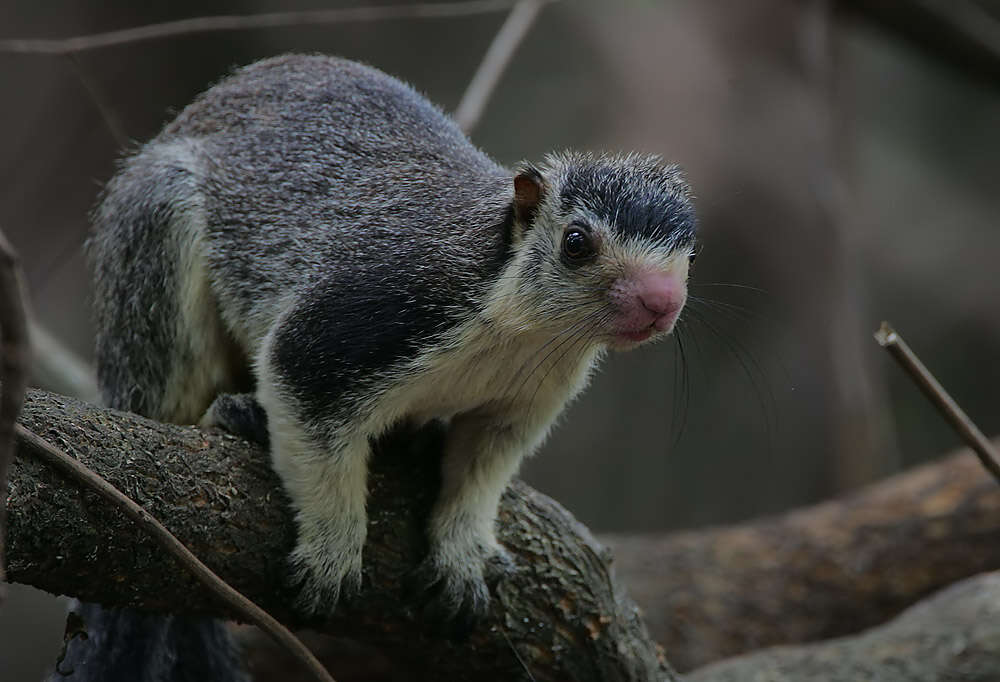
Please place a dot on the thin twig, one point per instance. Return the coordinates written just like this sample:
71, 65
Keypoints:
57, 459
520, 661
889, 339
107, 113
13, 375
495, 62
242, 22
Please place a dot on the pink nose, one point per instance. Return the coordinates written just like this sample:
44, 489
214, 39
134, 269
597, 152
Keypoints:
661, 294
647, 301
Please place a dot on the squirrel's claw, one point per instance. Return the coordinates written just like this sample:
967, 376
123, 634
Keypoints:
456, 597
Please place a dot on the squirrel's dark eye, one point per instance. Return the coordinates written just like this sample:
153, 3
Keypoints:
692, 257
577, 245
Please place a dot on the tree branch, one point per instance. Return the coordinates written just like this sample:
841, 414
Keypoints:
950, 636
814, 573
495, 61
890, 339
107, 112
560, 614
79, 474
194, 25
955, 635
824, 571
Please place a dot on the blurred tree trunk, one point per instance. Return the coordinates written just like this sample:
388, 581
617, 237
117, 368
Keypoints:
863, 450
742, 96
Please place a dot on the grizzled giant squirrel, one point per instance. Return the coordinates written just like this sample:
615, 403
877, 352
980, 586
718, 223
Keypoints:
317, 230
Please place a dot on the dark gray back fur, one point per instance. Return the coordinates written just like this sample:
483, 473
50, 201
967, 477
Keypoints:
305, 172
318, 166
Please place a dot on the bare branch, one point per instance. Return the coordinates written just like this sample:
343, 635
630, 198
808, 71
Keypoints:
13, 358
563, 616
86, 479
889, 339
107, 113
951, 636
430, 10
495, 62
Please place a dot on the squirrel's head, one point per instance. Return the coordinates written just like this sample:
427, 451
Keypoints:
604, 243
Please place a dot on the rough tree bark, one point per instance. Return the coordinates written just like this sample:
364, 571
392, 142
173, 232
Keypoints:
824, 571
818, 572
952, 636
560, 616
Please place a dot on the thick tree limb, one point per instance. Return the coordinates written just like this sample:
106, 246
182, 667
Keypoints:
812, 574
950, 637
818, 572
954, 635
83, 477
561, 613
560, 616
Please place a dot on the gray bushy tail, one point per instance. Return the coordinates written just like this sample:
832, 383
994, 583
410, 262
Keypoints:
125, 644
138, 245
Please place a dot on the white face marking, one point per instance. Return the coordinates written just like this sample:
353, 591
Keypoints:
542, 290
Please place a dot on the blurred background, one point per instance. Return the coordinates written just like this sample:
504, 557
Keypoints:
845, 161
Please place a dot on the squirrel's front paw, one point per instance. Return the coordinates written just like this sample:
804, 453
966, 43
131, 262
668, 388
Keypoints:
455, 588
324, 575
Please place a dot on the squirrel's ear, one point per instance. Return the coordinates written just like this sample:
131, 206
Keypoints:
529, 190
